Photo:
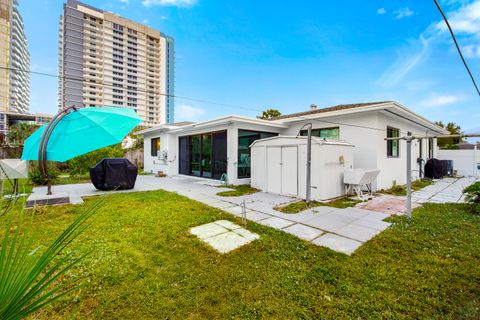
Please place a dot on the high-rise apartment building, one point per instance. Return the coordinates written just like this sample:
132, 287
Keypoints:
107, 60
14, 64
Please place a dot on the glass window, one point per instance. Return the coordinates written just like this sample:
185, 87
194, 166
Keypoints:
155, 146
329, 133
393, 146
245, 139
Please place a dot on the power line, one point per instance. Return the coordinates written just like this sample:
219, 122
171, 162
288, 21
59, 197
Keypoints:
456, 44
110, 85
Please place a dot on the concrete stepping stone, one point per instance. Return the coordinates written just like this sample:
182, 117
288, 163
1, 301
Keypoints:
373, 224
227, 224
337, 243
247, 234
226, 242
208, 230
303, 232
257, 216
223, 235
276, 223
357, 232
236, 211
330, 222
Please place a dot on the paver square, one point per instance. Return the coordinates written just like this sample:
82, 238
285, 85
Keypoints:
223, 235
236, 211
220, 204
227, 224
303, 232
208, 230
276, 223
337, 243
226, 242
373, 224
257, 216
357, 232
330, 222
246, 234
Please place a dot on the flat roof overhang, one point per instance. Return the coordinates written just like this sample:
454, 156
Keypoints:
392, 108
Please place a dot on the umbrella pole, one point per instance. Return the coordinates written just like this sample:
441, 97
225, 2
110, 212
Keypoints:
42, 149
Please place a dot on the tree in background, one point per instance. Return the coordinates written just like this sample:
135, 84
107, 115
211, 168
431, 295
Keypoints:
269, 114
18, 133
81, 164
449, 143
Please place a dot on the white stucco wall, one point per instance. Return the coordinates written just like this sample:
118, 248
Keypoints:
169, 143
365, 130
370, 148
465, 162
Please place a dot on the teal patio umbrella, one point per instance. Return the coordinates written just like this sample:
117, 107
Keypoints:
76, 131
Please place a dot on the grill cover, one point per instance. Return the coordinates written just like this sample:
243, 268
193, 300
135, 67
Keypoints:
114, 174
447, 167
433, 169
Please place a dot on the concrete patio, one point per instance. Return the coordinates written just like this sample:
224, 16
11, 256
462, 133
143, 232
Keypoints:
447, 190
342, 230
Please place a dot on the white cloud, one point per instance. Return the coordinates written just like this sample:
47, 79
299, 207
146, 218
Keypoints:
381, 11
124, 1
404, 63
436, 101
465, 20
472, 51
188, 113
145, 21
174, 3
403, 13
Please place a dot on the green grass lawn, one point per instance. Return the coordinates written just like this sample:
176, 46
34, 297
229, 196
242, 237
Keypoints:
298, 206
240, 190
401, 190
145, 265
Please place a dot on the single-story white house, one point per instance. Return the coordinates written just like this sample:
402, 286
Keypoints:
221, 146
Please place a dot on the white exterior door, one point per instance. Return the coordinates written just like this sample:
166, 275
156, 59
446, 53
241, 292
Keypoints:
289, 170
282, 170
274, 170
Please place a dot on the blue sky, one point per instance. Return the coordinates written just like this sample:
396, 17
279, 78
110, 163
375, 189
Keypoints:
252, 55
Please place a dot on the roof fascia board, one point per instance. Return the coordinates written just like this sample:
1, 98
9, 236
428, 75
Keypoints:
335, 113
227, 120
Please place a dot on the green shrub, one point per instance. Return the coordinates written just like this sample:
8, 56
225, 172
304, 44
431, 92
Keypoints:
473, 196
37, 178
81, 164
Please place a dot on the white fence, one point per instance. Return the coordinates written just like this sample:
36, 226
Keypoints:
465, 162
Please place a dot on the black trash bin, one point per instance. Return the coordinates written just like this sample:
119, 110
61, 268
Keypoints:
433, 169
114, 174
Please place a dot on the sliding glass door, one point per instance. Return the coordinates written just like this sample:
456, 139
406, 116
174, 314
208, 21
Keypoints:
195, 158
207, 155
203, 155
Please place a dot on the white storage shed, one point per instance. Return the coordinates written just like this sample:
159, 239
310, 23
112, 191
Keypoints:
279, 166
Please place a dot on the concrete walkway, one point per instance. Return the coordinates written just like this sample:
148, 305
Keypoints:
342, 230
446, 190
